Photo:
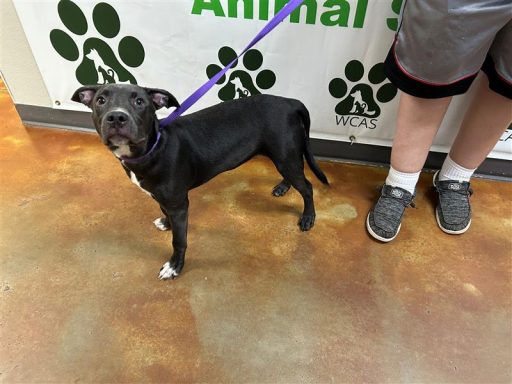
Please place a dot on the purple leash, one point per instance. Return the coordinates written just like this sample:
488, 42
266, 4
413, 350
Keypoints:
192, 99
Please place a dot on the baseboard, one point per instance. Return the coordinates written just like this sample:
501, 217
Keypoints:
336, 150
380, 155
56, 118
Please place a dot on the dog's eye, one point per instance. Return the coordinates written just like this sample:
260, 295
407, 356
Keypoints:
101, 100
139, 101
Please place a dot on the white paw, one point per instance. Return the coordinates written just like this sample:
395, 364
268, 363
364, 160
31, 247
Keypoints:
160, 224
167, 272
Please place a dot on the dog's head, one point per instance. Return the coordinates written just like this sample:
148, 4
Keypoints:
124, 114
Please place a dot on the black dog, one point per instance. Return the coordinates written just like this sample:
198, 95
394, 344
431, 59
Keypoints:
167, 163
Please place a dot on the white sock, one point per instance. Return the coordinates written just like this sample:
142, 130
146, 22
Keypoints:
402, 180
453, 171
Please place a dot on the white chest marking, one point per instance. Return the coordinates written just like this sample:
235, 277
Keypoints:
135, 181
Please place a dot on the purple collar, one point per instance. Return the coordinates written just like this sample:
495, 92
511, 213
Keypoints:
140, 159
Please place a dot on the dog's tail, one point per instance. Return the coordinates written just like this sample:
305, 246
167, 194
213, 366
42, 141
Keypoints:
306, 120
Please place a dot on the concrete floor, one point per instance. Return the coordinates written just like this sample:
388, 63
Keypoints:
258, 301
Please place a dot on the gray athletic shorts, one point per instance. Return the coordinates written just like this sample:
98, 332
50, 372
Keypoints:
441, 46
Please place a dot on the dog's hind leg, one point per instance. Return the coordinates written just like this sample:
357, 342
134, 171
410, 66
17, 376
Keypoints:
281, 188
162, 223
293, 173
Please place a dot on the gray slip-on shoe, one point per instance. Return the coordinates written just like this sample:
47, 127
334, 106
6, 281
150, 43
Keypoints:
384, 219
453, 213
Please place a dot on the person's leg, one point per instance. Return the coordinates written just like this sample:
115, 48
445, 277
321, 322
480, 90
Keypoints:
486, 119
417, 123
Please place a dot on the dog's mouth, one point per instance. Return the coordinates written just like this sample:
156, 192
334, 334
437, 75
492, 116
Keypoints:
117, 141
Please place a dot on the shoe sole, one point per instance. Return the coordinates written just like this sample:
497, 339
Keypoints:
449, 231
434, 178
374, 235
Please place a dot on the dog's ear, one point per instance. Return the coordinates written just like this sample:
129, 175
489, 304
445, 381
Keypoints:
162, 98
85, 94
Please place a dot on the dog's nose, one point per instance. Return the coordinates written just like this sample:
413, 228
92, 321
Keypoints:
117, 118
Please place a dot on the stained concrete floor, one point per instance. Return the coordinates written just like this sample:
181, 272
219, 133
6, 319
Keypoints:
258, 301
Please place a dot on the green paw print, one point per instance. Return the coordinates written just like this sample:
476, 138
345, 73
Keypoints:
360, 101
392, 22
240, 82
97, 63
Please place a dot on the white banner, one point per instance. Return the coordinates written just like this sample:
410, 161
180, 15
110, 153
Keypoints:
328, 54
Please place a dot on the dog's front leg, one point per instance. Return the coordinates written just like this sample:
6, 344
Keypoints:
178, 215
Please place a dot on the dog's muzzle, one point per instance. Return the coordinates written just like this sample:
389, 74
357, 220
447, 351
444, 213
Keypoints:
119, 129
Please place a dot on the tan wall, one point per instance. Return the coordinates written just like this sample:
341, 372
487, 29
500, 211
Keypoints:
17, 65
